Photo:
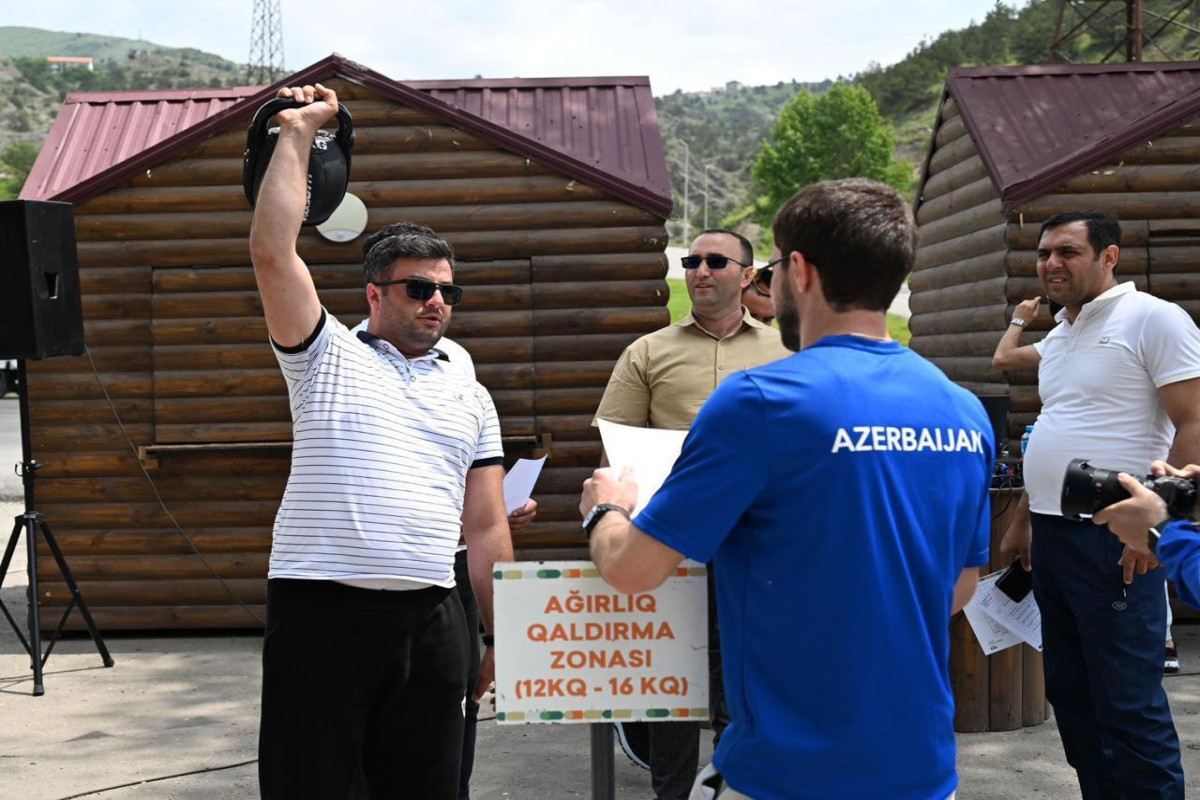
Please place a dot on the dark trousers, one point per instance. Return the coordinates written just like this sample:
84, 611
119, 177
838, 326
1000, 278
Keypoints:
356, 679
674, 747
1103, 662
462, 580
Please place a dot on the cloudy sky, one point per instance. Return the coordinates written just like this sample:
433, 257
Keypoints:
680, 45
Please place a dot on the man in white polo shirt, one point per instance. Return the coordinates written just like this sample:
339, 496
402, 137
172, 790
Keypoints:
1119, 379
395, 455
460, 360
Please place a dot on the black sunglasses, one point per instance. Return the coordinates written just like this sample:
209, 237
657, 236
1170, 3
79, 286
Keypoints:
714, 261
423, 289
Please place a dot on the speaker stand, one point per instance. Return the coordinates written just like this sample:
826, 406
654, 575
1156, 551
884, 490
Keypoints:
33, 523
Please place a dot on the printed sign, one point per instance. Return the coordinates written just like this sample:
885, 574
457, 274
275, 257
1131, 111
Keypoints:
571, 648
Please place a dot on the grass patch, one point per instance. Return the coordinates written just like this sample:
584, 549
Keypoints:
680, 304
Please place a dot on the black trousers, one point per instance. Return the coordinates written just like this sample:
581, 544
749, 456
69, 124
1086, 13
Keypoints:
466, 596
361, 679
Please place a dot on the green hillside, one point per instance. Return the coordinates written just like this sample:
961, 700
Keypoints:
31, 92
18, 42
726, 129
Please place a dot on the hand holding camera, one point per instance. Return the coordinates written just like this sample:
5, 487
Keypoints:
1131, 506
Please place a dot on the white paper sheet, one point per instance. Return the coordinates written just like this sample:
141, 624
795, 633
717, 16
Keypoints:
1023, 618
992, 636
518, 483
649, 452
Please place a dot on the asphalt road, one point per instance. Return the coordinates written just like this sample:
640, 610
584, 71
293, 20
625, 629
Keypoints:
10, 448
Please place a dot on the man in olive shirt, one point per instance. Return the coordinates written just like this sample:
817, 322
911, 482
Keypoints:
661, 381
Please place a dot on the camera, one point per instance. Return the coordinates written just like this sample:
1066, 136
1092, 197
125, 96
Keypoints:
1087, 489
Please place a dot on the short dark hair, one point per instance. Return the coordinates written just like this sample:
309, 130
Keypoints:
858, 233
401, 240
1104, 229
743, 242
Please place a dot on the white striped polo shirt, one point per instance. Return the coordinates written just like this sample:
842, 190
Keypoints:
382, 445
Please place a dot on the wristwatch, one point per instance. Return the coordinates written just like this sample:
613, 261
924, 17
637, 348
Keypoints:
1154, 534
1020, 323
593, 517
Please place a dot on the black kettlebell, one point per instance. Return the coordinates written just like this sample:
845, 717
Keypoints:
328, 164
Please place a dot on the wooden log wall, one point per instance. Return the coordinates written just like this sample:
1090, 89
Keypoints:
559, 279
958, 281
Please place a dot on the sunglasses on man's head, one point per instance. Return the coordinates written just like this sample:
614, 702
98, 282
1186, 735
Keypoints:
422, 289
762, 277
714, 261
761, 282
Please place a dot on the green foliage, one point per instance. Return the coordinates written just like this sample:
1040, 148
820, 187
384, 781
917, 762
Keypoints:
16, 160
837, 135
724, 131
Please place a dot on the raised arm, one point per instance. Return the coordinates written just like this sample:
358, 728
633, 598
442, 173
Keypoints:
289, 297
1010, 355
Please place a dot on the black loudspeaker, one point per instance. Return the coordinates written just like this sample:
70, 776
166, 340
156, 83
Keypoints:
40, 310
996, 407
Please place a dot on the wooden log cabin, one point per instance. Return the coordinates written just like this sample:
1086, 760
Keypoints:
554, 194
1011, 146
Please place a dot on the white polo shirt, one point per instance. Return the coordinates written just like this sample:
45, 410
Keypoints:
459, 358
382, 448
1099, 379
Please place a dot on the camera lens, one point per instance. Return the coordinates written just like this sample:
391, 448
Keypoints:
1087, 489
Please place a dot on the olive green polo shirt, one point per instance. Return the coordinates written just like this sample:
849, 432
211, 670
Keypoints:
663, 378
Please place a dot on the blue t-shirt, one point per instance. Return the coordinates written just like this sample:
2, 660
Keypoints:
1179, 552
842, 491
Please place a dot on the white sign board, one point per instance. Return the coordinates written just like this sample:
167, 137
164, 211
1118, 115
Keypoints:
570, 648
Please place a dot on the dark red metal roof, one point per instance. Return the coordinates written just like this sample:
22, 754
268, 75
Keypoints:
1037, 126
98, 131
602, 131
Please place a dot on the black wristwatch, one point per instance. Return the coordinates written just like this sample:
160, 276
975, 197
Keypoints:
598, 511
1154, 534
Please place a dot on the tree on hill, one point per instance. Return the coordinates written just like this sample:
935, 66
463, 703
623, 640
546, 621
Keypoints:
839, 134
16, 160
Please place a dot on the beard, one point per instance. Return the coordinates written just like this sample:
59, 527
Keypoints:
788, 317
422, 337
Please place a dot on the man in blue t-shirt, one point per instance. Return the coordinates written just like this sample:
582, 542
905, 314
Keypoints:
861, 523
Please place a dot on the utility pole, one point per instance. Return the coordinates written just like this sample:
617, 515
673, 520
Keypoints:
687, 163
266, 44
707, 167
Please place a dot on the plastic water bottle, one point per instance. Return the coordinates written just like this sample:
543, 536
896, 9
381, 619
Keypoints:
1025, 439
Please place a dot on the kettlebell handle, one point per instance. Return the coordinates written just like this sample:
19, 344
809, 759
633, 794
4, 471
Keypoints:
258, 128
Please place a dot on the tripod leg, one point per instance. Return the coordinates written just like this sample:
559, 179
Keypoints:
35, 623
8, 555
10, 549
75, 593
